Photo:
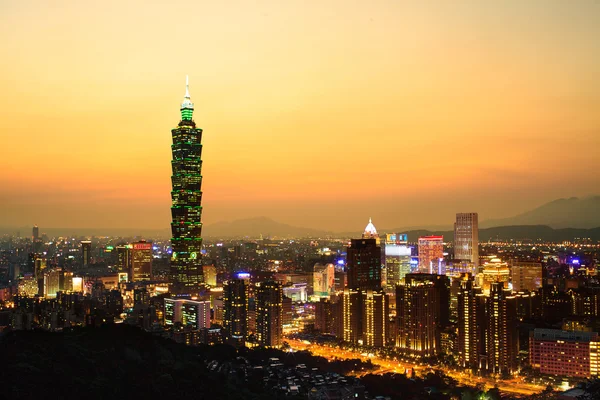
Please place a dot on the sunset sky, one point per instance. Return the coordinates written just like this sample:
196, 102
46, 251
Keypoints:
315, 113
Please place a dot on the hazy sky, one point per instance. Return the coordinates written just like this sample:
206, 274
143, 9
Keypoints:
315, 113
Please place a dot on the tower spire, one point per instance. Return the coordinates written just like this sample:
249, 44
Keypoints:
187, 107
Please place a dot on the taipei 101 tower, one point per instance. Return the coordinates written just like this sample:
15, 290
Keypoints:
186, 208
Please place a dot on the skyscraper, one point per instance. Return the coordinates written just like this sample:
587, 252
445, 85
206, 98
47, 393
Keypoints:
397, 259
375, 318
186, 197
526, 275
501, 332
86, 252
124, 260
471, 319
364, 261
235, 311
141, 262
269, 314
431, 253
466, 238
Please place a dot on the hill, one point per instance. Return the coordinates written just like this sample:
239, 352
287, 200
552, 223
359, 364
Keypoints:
573, 212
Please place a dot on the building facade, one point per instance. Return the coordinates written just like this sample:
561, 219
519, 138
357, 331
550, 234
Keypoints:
235, 310
269, 314
466, 238
186, 198
141, 262
431, 253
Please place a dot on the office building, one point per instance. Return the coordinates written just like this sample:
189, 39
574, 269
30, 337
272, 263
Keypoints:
526, 275
86, 252
568, 354
124, 260
186, 208
269, 314
141, 261
364, 261
431, 254
235, 311
466, 239
209, 272
422, 312
397, 259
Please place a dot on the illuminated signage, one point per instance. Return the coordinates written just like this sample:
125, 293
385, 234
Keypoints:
243, 275
142, 246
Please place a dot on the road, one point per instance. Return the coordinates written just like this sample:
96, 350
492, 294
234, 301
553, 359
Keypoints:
515, 386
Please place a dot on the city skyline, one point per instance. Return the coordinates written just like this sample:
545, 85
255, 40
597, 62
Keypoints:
287, 95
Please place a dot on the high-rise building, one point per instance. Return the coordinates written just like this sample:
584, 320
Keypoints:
235, 310
375, 311
195, 314
141, 262
52, 282
466, 238
124, 260
352, 316
526, 275
364, 261
209, 272
186, 208
86, 252
269, 314
431, 254
397, 259
500, 330
422, 312
471, 319
35, 240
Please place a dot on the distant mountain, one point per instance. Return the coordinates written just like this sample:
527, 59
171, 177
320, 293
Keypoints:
254, 227
562, 213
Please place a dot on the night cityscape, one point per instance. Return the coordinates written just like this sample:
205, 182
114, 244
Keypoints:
444, 252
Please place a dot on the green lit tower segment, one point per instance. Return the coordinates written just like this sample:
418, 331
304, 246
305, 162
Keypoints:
186, 208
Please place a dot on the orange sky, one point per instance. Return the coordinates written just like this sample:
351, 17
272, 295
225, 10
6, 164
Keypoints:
316, 113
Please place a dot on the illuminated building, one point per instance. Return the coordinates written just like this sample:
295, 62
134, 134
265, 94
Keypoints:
526, 275
52, 280
39, 266
235, 310
466, 238
296, 292
35, 239
86, 252
500, 330
397, 259
77, 284
195, 313
141, 262
493, 271
586, 301
364, 261
375, 310
172, 311
269, 314
209, 272
422, 312
565, 354
471, 319
323, 279
352, 316
28, 286
124, 259
186, 208
431, 253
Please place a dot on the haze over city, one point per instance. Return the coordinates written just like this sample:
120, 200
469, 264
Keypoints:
317, 116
